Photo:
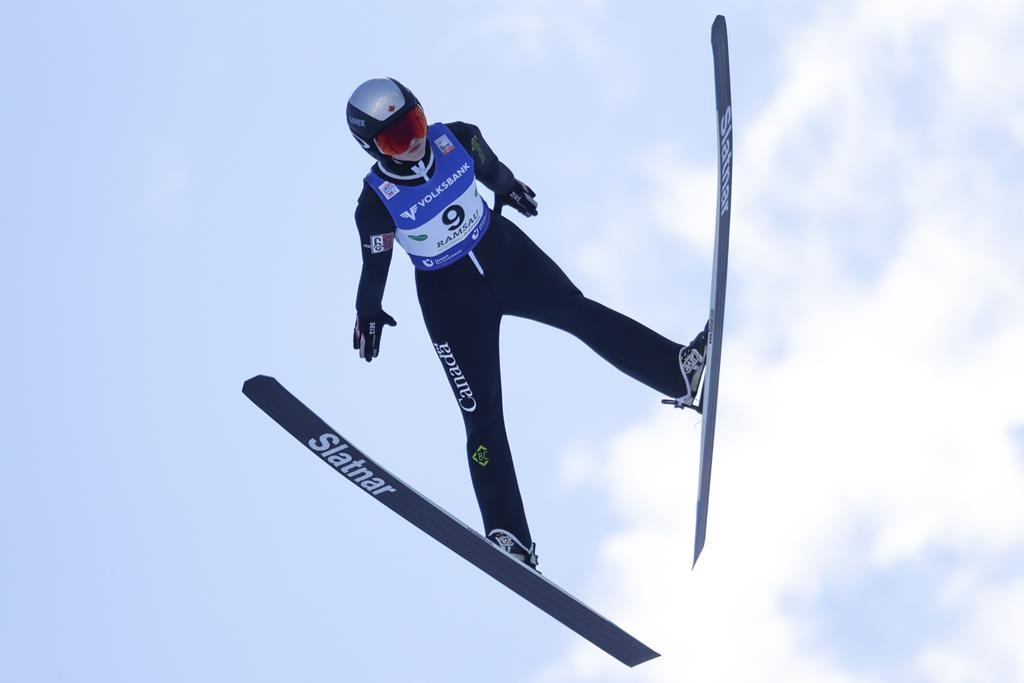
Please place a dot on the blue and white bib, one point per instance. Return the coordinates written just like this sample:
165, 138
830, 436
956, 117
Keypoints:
440, 221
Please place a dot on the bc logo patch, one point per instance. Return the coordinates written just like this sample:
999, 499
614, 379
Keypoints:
480, 456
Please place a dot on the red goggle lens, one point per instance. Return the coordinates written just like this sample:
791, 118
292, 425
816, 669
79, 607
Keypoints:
396, 138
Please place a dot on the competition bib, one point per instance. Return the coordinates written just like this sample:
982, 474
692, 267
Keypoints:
440, 221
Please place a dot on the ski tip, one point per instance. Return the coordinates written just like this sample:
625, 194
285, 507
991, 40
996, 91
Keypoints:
718, 25
256, 381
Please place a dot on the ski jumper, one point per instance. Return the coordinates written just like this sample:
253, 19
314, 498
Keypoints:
473, 267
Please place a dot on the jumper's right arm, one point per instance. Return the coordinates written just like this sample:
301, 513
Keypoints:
377, 238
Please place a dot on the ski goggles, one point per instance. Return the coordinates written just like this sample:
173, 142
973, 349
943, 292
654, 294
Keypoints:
396, 138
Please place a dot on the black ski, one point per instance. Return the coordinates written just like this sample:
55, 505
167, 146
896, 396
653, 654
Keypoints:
709, 392
371, 478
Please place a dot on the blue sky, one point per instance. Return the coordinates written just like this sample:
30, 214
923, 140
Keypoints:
177, 186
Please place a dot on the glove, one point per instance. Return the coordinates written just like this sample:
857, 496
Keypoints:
366, 335
520, 198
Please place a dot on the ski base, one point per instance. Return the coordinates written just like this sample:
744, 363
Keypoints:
720, 267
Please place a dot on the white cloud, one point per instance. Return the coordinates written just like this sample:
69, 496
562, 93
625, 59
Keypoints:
530, 29
877, 247
986, 647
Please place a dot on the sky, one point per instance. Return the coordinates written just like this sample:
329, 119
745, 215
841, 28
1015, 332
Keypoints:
176, 194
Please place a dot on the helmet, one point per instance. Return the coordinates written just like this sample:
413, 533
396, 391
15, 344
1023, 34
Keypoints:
374, 106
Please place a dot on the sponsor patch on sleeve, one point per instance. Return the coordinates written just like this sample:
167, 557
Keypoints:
478, 149
381, 243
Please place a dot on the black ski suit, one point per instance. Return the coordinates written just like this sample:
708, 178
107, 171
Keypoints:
463, 304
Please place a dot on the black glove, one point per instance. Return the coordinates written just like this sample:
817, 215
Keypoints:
520, 198
366, 335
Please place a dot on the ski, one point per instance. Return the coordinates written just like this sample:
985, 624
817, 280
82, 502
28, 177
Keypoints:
719, 270
370, 477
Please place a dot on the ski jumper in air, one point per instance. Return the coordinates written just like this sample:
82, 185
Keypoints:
474, 266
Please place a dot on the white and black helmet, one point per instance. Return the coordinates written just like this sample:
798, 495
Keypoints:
374, 106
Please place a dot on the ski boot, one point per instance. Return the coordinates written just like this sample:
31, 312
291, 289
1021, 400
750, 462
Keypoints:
692, 359
508, 543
